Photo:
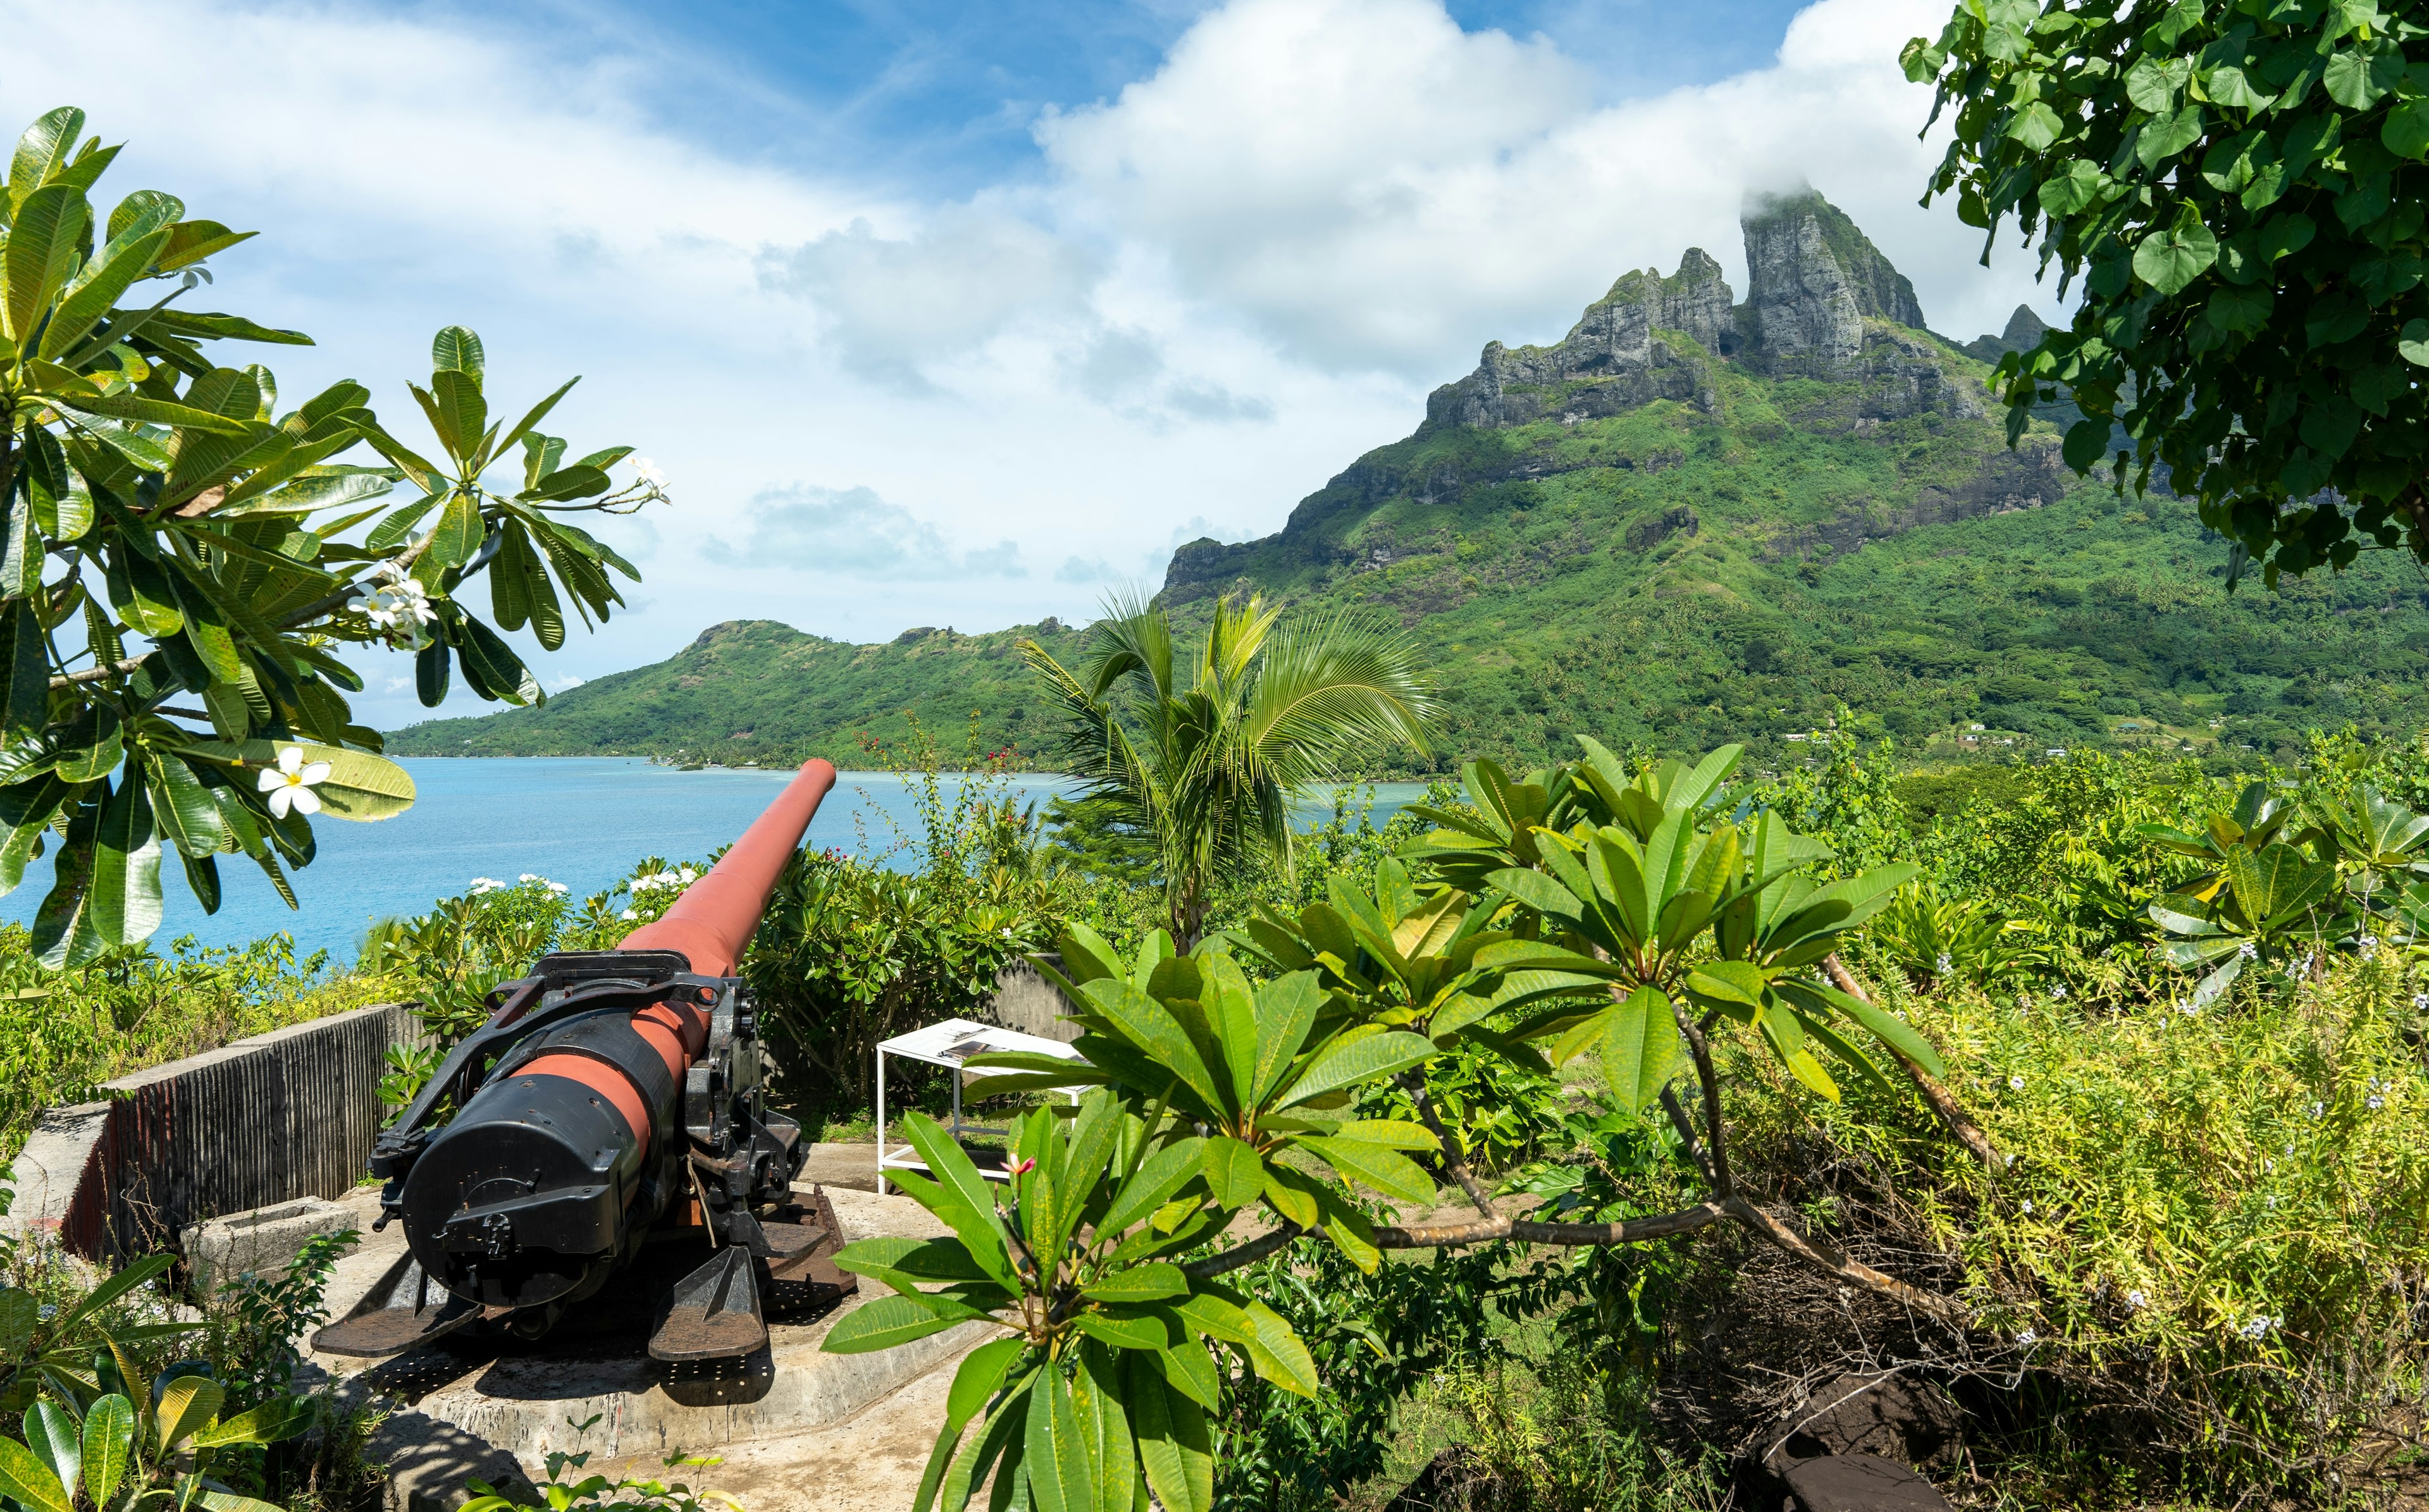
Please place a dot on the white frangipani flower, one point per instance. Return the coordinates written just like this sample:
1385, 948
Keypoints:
629, 914
291, 782
400, 603
556, 887
647, 472
531, 877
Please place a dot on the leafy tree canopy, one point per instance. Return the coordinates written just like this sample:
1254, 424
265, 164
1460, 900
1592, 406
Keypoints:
166, 533
2236, 183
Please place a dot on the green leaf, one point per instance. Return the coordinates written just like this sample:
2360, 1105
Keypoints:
2036, 127
576, 482
1275, 1353
1786, 1038
457, 534
124, 406
23, 1477
2358, 78
453, 349
1351, 1062
272, 1421
1385, 1171
1162, 1174
90, 748
2407, 131
125, 896
97, 288
882, 1323
458, 397
45, 239
190, 242
965, 1201
1120, 1332
360, 787
2413, 344
2074, 188
52, 1435
1235, 1172
2172, 259
1640, 1048
1173, 1442
1060, 1477
108, 1445
187, 1405
24, 671
1152, 1282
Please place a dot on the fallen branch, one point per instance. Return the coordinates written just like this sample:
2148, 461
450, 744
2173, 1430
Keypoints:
1943, 1101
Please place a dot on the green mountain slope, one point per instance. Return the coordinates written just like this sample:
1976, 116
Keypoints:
1690, 520
756, 690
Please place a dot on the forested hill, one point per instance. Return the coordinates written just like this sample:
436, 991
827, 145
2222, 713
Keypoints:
1693, 520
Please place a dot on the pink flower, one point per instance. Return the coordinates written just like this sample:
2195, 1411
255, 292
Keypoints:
1024, 1166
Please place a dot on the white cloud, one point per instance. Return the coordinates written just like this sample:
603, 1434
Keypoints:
1372, 187
893, 305
853, 532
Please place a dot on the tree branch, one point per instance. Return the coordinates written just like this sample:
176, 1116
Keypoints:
1832, 1261
1454, 1158
1943, 1101
1716, 1154
1685, 1128
1248, 1253
1528, 1231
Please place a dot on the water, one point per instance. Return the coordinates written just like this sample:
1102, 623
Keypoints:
582, 821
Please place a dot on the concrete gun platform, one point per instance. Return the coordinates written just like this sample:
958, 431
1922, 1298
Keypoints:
495, 1409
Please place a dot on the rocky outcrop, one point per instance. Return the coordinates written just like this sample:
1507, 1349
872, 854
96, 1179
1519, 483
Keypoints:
1814, 282
1823, 302
2023, 333
1618, 355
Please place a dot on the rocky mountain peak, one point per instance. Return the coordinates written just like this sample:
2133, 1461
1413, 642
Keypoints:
1815, 278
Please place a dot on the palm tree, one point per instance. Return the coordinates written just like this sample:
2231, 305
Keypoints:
1204, 759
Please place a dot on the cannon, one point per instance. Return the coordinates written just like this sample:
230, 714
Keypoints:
613, 1106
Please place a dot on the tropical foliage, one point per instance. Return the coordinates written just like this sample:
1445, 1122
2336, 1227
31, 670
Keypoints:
1643, 927
2237, 190
201, 542
1202, 755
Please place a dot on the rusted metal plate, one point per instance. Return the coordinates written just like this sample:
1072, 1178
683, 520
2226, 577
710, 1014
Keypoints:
714, 1313
403, 1308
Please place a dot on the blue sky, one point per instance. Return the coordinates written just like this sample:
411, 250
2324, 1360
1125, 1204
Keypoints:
965, 314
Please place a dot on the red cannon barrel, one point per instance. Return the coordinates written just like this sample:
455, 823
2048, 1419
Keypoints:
711, 924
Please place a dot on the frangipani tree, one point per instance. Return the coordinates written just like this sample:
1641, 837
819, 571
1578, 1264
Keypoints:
177, 576
1651, 927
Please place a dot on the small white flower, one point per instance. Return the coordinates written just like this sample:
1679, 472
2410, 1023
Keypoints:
2317, 1108
2248, 950
290, 783
556, 887
2135, 1301
2374, 1102
2028, 1337
2016, 1083
687, 878
2029, 1207
2272, 1202
2058, 994
400, 603
2421, 1002
1945, 965
630, 914
46, 1312
531, 877
2012, 1160
647, 472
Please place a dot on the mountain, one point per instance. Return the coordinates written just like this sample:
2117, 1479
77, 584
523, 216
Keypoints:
1693, 519
754, 690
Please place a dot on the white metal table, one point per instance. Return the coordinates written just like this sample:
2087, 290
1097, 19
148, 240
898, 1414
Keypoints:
949, 1045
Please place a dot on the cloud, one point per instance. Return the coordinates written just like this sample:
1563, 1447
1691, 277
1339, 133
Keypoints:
891, 305
1122, 368
560, 684
1084, 570
854, 533
1371, 187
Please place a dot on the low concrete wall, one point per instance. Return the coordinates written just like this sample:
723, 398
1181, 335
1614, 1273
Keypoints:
282, 1115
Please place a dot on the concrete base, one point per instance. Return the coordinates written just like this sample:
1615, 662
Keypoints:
475, 1409
264, 1241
